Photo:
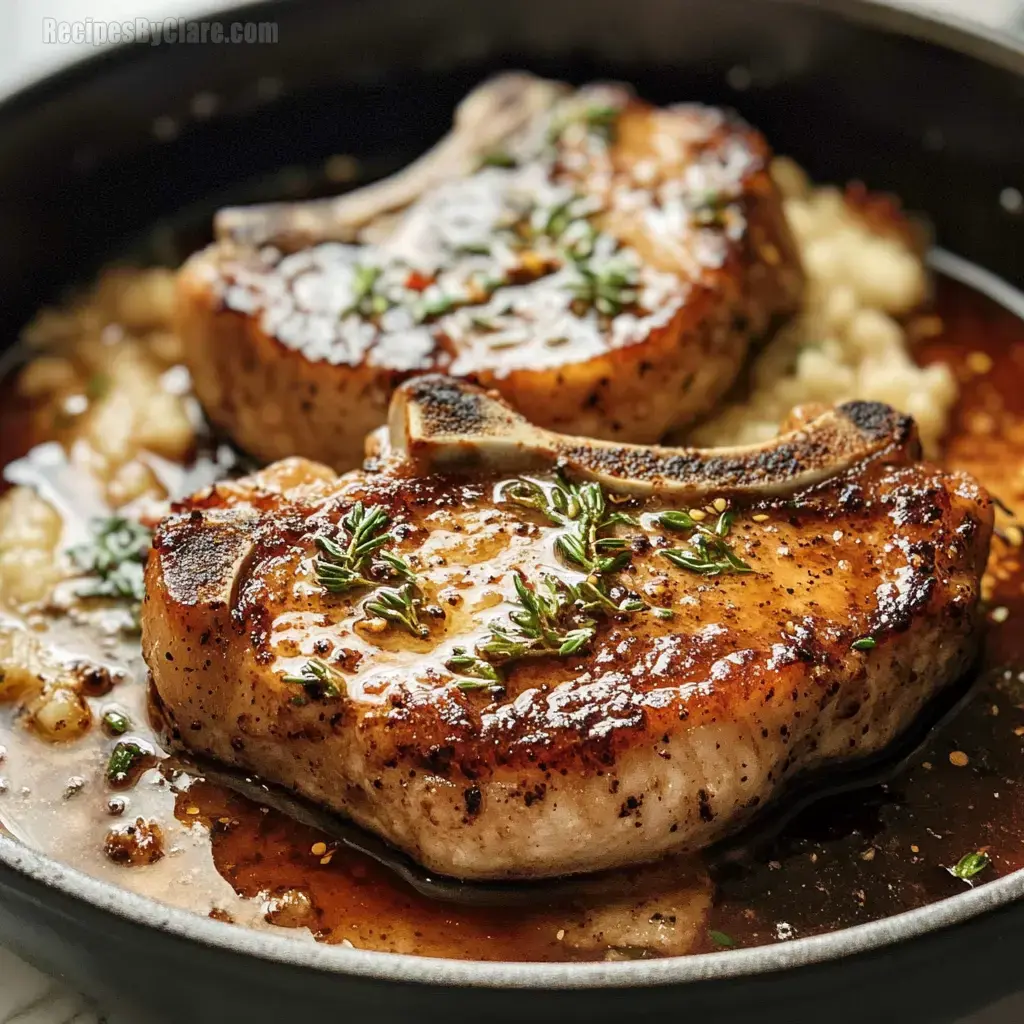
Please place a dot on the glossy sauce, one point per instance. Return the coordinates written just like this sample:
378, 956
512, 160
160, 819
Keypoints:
846, 860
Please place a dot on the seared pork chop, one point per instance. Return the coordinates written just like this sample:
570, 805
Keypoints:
604, 264
511, 671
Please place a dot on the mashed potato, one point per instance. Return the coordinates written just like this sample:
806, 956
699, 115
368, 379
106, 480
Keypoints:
108, 384
849, 341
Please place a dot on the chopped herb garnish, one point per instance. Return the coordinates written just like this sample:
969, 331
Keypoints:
598, 118
115, 722
721, 939
438, 305
125, 758
114, 560
676, 521
969, 865
317, 679
709, 553
400, 606
865, 643
582, 511
342, 563
609, 287
367, 300
547, 622
498, 158
481, 675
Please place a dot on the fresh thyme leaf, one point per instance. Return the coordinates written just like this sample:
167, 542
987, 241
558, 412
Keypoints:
609, 287
498, 158
114, 561
865, 643
482, 675
367, 300
969, 865
398, 605
318, 679
547, 622
722, 939
430, 309
125, 758
599, 119
676, 521
115, 723
398, 566
709, 553
342, 564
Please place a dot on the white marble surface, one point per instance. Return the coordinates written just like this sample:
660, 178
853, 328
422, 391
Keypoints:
26, 995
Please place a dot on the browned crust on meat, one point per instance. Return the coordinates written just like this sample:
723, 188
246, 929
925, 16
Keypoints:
663, 736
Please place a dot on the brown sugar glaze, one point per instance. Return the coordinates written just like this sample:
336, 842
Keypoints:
845, 860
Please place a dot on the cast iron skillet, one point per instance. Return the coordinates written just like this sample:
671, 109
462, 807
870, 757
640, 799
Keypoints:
92, 157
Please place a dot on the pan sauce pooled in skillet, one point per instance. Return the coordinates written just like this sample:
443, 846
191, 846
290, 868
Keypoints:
526, 676
606, 265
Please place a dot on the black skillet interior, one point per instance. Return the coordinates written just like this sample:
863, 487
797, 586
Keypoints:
91, 159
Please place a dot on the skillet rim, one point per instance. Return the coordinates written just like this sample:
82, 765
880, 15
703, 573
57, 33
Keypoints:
983, 42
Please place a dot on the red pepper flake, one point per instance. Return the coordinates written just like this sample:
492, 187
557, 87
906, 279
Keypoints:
418, 282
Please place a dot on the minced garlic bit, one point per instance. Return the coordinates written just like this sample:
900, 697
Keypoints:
760, 518
192, 811
318, 849
720, 504
958, 759
560, 934
698, 514
999, 614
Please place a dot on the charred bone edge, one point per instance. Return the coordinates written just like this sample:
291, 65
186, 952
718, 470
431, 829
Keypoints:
439, 423
488, 116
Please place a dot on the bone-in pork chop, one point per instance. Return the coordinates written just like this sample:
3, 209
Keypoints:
606, 265
513, 672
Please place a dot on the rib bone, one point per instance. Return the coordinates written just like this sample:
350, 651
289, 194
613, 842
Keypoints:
440, 423
491, 114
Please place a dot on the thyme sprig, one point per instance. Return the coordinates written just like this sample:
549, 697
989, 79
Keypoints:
114, 561
367, 299
400, 606
549, 620
555, 617
609, 286
480, 674
344, 561
582, 512
709, 553
969, 865
599, 119
317, 679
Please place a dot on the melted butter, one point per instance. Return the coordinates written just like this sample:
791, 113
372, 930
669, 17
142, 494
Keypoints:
485, 242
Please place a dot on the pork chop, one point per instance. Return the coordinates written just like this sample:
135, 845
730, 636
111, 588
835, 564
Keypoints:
581, 245
514, 670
